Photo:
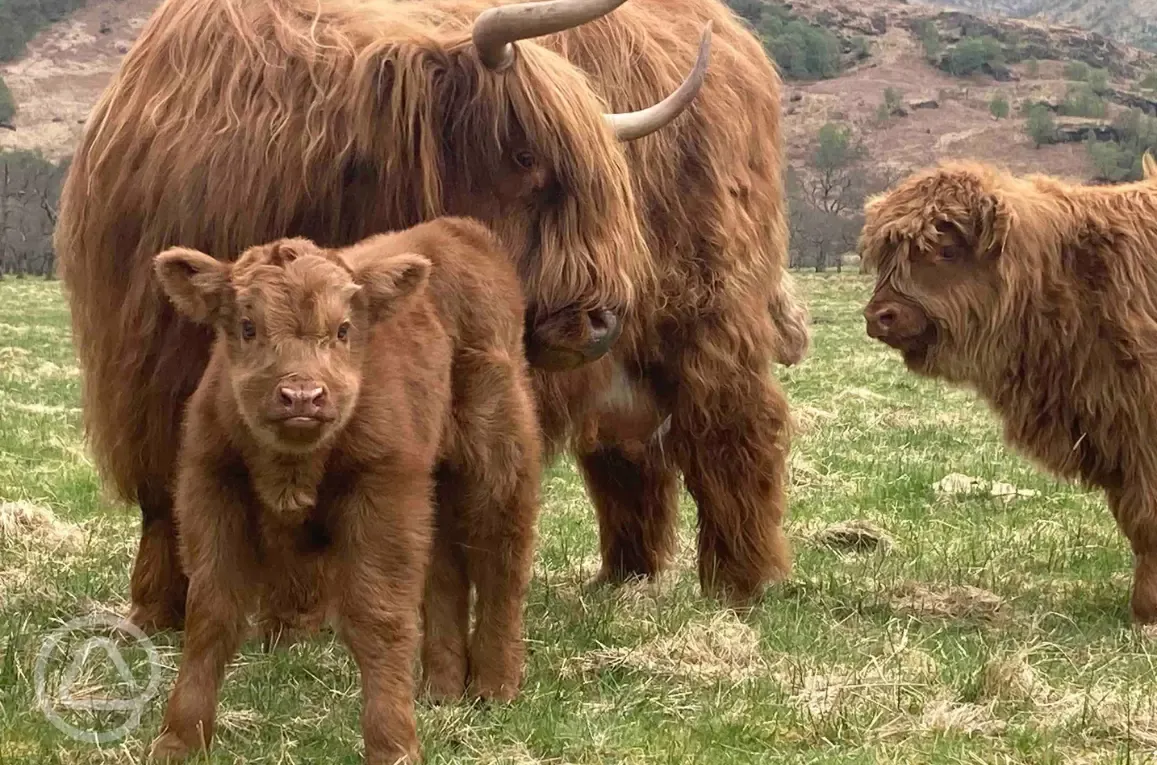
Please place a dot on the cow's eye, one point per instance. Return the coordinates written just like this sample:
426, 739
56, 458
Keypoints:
343, 331
524, 159
248, 330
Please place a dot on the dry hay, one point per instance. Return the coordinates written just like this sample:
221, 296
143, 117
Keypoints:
855, 535
1130, 714
722, 648
958, 483
27, 525
950, 602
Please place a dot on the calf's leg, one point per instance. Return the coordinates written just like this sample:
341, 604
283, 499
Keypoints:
384, 550
492, 491
445, 608
221, 591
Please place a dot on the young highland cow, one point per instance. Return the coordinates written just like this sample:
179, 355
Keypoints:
364, 410
1042, 296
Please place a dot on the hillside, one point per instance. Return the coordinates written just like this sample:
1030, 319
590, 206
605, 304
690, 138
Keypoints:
64, 71
946, 115
1131, 21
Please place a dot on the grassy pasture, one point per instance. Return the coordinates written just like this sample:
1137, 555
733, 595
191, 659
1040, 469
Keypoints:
971, 628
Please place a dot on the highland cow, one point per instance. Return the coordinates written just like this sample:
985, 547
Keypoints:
688, 387
1041, 296
234, 123
364, 410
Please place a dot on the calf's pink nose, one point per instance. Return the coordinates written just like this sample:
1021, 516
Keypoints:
302, 399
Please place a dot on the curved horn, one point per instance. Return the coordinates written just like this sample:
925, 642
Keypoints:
631, 125
497, 29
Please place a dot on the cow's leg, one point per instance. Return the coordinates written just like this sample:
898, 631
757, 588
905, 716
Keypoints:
1136, 514
157, 587
636, 497
384, 549
730, 432
494, 495
221, 591
445, 607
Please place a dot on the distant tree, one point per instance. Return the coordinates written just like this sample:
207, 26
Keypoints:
1081, 101
802, 50
1032, 67
999, 106
29, 198
1077, 71
972, 54
1150, 81
20, 20
7, 104
1120, 160
751, 10
1109, 161
826, 198
893, 104
1041, 126
930, 39
1099, 81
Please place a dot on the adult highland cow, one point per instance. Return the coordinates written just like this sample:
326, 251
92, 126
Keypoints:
1041, 296
719, 314
232, 123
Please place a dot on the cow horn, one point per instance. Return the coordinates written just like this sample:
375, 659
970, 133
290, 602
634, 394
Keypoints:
497, 29
631, 125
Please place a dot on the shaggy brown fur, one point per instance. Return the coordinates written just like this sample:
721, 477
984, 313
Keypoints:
344, 389
233, 123
702, 345
1042, 296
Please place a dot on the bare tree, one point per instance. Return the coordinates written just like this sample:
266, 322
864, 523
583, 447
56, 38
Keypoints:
29, 197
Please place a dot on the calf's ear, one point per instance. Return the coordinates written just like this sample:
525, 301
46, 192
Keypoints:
198, 284
387, 281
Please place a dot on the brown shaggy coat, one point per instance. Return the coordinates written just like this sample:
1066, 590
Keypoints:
365, 412
1042, 296
235, 123
698, 357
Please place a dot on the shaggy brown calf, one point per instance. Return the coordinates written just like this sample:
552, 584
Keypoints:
345, 391
1042, 296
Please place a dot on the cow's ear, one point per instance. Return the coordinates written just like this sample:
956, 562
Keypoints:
198, 284
388, 281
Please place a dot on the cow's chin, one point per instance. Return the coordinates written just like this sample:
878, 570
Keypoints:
298, 436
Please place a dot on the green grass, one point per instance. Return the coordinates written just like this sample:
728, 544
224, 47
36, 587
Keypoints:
986, 632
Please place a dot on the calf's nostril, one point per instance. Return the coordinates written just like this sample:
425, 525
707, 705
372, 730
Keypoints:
317, 396
287, 396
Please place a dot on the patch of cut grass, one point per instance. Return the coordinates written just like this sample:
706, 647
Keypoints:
981, 629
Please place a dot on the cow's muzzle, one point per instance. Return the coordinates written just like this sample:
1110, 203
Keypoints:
571, 338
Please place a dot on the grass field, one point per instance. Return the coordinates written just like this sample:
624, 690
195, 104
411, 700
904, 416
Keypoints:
965, 628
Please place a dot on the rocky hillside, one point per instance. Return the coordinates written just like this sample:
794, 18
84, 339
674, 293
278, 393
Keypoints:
1131, 21
936, 111
939, 114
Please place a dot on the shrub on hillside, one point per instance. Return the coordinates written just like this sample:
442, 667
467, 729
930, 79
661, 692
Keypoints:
1032, 67
1077, 71
7, 104
1150, 81
804, 51
1041, 127
1120, 160
999, 106
973, 54
20, 20
1081, 101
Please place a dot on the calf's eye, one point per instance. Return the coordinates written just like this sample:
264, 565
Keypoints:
343, 330
248, 330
